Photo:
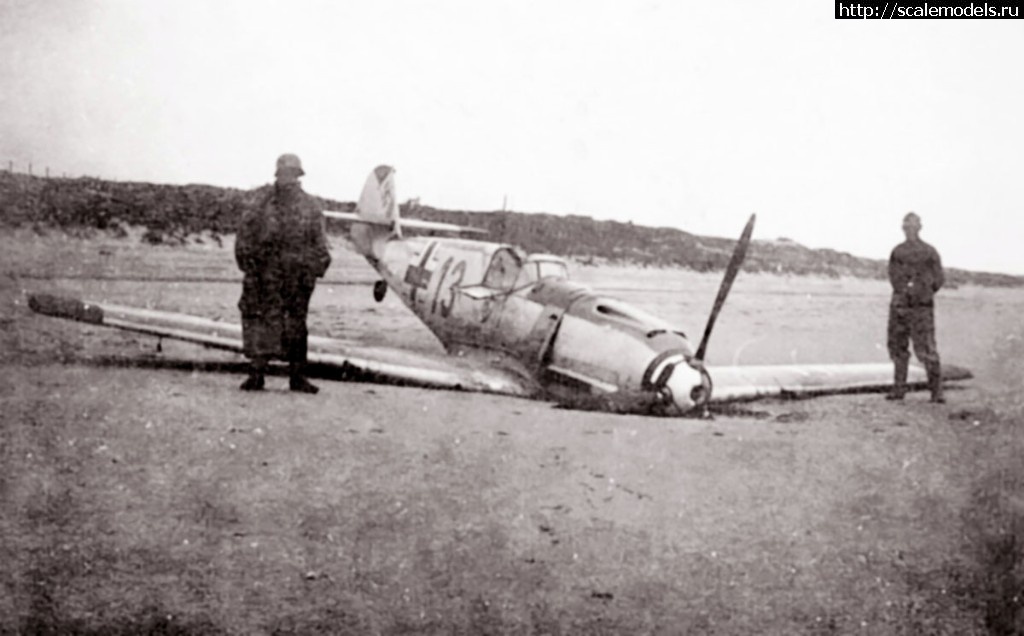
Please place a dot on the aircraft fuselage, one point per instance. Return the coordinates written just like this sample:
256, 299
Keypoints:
577, 345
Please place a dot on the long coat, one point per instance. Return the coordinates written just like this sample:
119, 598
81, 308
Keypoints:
281, 248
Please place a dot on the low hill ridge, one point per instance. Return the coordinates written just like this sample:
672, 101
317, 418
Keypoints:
175, 212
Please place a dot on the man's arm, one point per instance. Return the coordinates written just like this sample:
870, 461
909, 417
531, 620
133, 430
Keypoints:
939, 277
893, 270
249, 252
320, 258
246, 248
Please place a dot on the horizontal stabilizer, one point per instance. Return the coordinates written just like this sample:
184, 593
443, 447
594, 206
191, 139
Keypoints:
352, 217
415, 224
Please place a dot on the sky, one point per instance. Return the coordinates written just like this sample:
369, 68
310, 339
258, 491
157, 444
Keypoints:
673, 113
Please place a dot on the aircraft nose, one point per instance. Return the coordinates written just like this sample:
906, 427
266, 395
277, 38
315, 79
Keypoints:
689, 387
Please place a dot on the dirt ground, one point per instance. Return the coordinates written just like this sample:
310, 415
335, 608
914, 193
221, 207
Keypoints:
141, 492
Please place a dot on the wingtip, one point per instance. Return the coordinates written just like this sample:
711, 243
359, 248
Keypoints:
953, 372
63, 307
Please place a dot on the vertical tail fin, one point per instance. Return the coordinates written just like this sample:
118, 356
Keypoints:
377, 218
378, 203
378, 209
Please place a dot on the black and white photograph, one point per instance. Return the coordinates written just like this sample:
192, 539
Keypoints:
511, 317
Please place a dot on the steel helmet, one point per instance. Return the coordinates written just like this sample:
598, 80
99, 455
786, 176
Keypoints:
289, 164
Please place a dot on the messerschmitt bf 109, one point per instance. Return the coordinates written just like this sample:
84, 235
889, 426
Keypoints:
515, 324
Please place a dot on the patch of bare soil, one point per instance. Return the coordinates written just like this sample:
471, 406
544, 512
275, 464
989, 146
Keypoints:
157, 498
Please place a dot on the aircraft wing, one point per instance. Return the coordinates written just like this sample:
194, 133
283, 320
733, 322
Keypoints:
377, 363
806, 380
473, 373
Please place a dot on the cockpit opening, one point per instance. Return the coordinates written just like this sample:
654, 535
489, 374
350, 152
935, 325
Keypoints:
504, 270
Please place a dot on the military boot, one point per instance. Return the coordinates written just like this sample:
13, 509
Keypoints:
297, 380
899, 387
255, 381
935, 383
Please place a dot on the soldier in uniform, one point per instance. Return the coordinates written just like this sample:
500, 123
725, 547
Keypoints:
281, 248
915, 271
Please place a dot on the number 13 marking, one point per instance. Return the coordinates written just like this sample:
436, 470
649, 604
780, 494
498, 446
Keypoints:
457, 274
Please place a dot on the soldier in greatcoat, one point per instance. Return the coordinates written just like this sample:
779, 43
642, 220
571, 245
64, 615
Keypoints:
282, 249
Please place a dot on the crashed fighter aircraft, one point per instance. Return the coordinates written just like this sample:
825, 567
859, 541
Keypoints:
515, 324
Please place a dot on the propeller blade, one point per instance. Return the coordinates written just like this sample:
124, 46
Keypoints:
735, 263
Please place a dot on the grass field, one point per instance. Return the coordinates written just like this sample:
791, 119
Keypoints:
160, 499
